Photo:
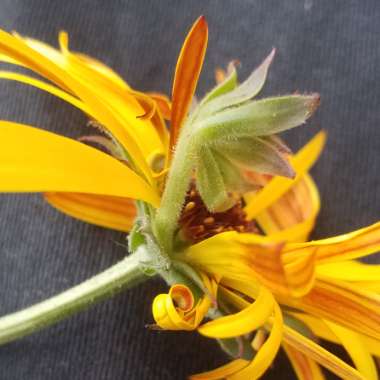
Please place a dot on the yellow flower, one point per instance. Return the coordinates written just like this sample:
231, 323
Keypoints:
77, 178
277, 284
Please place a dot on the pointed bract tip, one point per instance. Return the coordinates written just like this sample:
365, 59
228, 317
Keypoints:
313, 103
272, 53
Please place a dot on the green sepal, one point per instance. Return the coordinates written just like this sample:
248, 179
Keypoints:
210, 183
239, 347
242, 93
229, 83
258, 154
257, 118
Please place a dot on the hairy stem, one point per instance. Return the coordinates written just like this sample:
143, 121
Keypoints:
120, 276
175, 191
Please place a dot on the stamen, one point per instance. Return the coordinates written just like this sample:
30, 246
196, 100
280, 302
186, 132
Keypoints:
198, 223
189, 206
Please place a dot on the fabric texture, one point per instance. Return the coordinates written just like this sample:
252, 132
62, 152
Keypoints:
324, 46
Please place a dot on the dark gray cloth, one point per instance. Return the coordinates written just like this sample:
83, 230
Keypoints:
327, 46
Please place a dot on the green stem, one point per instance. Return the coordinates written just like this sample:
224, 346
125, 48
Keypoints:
175, 191
121, 275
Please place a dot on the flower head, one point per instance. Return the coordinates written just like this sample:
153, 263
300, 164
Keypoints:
219, 207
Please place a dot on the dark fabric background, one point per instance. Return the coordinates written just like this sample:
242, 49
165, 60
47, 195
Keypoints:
329, 46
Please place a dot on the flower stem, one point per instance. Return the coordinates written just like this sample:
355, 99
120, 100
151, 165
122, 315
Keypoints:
125, 273
175, 191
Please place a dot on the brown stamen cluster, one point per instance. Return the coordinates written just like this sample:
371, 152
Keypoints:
198, 223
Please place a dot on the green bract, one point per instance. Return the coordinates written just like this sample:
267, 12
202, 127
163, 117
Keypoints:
228, 135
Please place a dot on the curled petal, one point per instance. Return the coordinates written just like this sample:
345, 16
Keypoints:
176, 310
163, 103
267, 352
242, 322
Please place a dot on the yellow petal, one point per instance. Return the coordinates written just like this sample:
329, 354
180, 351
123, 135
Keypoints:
353, 271
304, 367
242, 322
48, 88
315, 352
319, 329
33, 160
346, 304
294, 278
268, 351
187, 72
357, 350
363, 242
106, 111
292, 217
222, 372
106, 211
278, 186
180, 316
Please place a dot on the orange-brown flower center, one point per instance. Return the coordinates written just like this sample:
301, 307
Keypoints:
198, 223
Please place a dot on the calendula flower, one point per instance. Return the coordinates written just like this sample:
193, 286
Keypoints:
218, 207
